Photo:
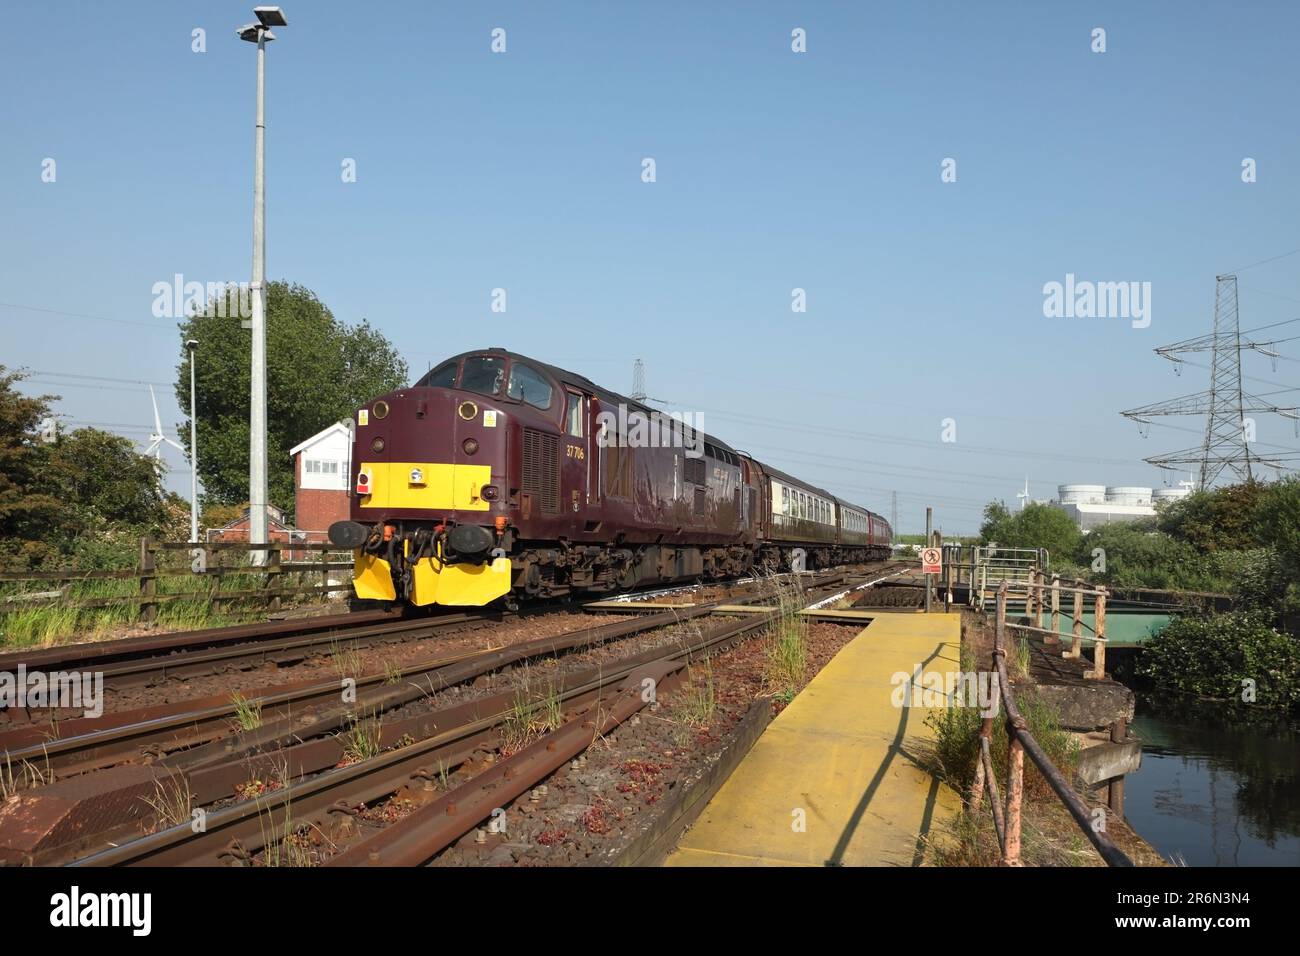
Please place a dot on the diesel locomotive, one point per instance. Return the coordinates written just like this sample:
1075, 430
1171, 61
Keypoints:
496, 476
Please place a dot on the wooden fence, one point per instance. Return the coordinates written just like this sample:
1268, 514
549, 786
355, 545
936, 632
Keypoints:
288, 568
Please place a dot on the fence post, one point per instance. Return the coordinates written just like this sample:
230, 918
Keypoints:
1098, 671
1015, 797
148, 582
1056, 612
273, 575
1076, 644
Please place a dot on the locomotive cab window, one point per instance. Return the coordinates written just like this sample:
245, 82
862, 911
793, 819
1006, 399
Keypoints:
444, 376
573, 415
483, 374
529, 385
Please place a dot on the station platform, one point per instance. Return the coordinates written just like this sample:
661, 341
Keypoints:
840, 759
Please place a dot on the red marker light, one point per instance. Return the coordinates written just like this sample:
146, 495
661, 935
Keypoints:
363, 483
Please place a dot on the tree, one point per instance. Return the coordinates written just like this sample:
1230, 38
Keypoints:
1035, 526
78, 491
319, 370
103, 476
1219, 520
30, 509
1277, 521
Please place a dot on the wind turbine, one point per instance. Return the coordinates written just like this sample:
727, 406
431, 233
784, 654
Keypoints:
157, 438
1024, 495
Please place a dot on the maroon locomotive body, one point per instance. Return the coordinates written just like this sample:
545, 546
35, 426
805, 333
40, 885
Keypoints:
497, 476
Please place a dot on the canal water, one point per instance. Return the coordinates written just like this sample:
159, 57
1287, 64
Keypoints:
1218, 786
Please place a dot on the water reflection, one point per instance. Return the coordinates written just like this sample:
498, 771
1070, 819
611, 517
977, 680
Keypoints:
1219, 786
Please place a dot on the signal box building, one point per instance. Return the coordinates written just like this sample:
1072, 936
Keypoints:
322, 475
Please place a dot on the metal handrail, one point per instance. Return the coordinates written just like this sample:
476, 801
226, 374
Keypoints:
1019, 742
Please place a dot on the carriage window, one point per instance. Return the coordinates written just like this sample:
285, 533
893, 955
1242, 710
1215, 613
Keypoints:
444, 376
529, 385
573, 423
483, 374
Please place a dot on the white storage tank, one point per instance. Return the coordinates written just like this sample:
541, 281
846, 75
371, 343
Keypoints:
1081, 494
1162, 496
1129, 495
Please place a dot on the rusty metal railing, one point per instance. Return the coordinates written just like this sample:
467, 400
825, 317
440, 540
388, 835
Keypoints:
1007, 819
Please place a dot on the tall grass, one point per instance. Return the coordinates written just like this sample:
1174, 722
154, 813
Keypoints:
786, 641
29, 618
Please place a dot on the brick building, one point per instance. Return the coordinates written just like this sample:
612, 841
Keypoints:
322, 475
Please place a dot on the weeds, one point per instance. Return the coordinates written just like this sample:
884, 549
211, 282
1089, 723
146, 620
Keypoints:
529, 717
30, 776
346, 659
248, 714
171, 802
786, 647
363, 740
293, 849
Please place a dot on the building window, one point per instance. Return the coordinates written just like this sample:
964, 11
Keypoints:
314, 466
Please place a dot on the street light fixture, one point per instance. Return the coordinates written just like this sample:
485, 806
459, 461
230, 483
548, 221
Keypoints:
192, 345
259, 33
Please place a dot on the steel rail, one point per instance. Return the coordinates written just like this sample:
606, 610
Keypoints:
205, 729
241, 830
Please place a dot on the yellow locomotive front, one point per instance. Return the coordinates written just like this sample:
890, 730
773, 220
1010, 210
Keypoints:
428, 522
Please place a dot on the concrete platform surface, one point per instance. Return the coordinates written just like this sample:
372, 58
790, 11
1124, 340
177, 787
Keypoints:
833, 781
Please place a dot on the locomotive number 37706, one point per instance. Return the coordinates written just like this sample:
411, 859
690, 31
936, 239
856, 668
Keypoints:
575, 451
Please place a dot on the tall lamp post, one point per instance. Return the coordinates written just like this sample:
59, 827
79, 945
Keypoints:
193, 346
259, 33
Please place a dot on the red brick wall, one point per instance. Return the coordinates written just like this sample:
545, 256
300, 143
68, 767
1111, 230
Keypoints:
317, 509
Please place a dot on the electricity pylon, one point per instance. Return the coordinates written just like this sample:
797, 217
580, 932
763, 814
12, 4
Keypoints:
638, 382
1228, 432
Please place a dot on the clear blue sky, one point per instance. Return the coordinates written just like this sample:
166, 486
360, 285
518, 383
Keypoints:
775, 170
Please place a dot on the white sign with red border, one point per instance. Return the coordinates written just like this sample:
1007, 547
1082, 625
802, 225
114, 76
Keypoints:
931, 561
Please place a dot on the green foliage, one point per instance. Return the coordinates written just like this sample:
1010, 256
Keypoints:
1035, 526
1139, 556
1213, 656
29, 506
1277, 521
1222, 519
86, 495
318, 371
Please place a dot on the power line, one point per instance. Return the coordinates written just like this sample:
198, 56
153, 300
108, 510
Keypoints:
1262, 262
84, 315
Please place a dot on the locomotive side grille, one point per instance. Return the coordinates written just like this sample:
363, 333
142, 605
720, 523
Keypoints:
699, 501
695, 470
541, 471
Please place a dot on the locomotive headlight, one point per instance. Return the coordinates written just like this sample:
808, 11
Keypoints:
377, 444
470, 446
488, 492
381, 409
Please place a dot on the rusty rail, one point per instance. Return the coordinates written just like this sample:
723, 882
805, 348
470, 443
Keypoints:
1021, 742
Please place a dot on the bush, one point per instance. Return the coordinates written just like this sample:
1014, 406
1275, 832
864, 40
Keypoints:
1214, 656
1224, 519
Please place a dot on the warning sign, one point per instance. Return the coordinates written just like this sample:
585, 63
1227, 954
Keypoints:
931, 561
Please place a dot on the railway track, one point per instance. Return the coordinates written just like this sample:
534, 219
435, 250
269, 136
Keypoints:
111, 769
